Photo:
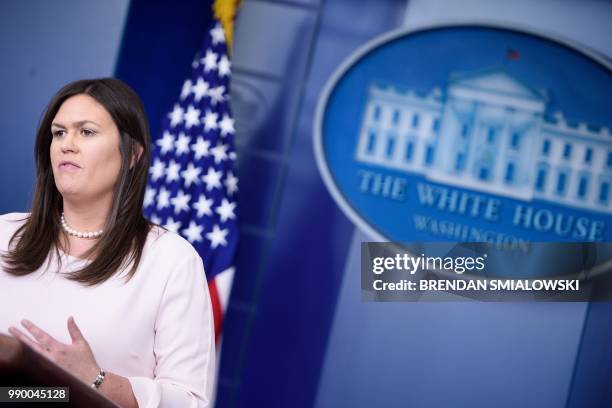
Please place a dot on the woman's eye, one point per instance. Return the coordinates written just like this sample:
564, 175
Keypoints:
88, 132
58, 133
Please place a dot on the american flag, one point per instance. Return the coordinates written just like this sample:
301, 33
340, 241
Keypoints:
192, 188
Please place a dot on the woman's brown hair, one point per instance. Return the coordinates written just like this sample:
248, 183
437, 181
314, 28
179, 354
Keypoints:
126, 229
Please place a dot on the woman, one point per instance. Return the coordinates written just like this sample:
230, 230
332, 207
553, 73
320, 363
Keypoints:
85, 279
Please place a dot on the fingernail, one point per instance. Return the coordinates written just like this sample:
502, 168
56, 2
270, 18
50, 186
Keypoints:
25, 322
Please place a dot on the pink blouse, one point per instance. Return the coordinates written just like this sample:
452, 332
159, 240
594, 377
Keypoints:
157, 329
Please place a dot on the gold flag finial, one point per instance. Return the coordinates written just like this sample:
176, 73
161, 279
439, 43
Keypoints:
225, 11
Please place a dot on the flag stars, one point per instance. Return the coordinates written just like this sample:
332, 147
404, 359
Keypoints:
189, 193
210, 120
149, 197
180, 202
176, 116
209, 61
191, 175
186, 89
172, 225
203, 206
182, 144
231, 183
200, 89
172, 172
194, 232
226, 210
166, 142
157, 170
212, 179
163, 199
217, 237
216, 94
219, 152
226, 125
217, 34
192, 117
224, 66
200, 148
196, 61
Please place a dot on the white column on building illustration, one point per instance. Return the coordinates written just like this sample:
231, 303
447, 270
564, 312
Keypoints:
368, 125
364, 140
472, 144
445, 151
573, 178
383, 132
402, 139
420, 134
501, 158
536, 143
591, 195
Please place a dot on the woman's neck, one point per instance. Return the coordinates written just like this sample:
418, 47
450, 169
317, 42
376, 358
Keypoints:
90, 217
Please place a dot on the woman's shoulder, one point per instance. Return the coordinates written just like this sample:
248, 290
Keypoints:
10, 222
170, 244
170, 254
14, 217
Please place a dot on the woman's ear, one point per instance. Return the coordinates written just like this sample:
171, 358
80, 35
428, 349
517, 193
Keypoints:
138, 149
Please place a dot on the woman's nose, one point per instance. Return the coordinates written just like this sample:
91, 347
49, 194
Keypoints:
69, 142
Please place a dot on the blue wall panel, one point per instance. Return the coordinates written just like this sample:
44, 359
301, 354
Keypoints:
592, 376
297, 283
160, 40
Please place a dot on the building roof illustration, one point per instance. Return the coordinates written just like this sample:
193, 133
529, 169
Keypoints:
496, 80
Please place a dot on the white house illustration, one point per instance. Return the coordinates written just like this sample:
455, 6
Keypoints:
489, 132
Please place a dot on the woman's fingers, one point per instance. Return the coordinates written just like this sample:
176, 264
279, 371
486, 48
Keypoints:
44, 338
26, 339
75, 332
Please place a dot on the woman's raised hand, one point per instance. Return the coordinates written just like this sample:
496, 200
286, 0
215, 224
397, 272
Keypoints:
77, 358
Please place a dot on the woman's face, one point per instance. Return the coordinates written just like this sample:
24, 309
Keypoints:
85, 154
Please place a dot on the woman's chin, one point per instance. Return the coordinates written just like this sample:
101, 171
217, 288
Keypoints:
70, 192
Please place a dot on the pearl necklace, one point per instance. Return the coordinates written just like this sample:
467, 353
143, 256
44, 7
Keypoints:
80, 234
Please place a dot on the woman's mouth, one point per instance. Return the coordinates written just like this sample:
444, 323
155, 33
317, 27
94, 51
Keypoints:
69, 166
